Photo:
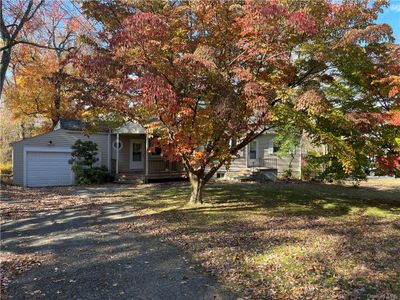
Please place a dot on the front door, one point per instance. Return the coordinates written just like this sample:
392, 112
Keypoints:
136, 155
253, 154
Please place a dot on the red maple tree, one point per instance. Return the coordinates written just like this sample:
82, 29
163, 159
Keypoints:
211, 72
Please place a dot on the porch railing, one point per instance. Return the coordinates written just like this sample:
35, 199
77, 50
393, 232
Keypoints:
157, 166
269, 162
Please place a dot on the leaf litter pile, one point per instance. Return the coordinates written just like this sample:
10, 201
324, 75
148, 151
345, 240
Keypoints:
13, 265
18, 203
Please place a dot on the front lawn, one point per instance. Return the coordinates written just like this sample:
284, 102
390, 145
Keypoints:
276, 240
285, 240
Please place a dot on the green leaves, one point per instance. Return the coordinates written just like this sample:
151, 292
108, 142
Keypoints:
83, 154
212, 71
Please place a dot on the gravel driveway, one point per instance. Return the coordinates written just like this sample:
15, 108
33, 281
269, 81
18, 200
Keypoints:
90, 259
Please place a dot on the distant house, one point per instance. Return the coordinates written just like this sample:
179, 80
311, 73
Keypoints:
43, 160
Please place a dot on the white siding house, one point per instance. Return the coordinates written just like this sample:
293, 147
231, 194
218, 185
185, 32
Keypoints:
43, 160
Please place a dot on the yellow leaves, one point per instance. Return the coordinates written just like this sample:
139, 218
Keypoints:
38, 90
204, 52
153, 126
199, 155
391, 85
286, 95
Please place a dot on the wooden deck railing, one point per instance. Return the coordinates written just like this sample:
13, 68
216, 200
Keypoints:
269, 162
161, 166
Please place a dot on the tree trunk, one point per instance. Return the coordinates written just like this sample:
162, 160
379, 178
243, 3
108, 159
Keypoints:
4, 63
57, 99
197, 184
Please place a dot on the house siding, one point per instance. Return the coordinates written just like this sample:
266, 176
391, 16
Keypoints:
107, 154
59, 138
265, 152
124, 153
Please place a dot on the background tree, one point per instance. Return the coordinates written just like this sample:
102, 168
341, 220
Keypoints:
40, 85
42, 90
18, 20
201, 73
9, 132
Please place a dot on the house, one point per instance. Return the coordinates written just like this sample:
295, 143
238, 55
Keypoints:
260, 157
43, 160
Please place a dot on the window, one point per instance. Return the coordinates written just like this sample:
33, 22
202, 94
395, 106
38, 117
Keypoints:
220, 174
233, 142
136, 152
120, 145
253, 150
157, 152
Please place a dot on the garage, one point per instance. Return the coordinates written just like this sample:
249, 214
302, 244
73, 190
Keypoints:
48, 167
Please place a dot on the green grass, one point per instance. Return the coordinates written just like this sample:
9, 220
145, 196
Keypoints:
278, 200
284, 240
275, 240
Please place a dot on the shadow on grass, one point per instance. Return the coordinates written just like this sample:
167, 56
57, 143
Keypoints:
237, 223
359, 227
276, 200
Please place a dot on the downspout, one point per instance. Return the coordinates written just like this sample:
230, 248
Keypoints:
117, 156
109, 150
246, 155
301, 154
147, 158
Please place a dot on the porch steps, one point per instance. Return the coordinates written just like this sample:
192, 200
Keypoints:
253, 174
129, 178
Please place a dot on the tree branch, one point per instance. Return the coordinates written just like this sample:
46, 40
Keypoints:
12, 44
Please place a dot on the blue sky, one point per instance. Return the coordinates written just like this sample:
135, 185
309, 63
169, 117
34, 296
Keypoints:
391, 16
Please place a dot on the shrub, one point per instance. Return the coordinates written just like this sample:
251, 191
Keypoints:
311, 166
5, 168
83, 157
329, 168
93, 175
288, 174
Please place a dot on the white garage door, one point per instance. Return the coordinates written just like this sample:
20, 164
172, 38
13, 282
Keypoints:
48, 169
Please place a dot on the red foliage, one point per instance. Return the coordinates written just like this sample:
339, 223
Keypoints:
390, 164
394, 118
212, 71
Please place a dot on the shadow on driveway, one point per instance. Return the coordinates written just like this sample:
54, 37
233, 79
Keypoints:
92, 260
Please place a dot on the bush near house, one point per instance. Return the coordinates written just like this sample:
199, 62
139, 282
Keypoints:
5, 173
389, 165
5, 168
84, 156
95, 175
329, 168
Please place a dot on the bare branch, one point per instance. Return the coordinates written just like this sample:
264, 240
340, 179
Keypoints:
35, 45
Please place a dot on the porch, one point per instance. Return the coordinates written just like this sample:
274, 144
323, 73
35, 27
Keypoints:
131, 160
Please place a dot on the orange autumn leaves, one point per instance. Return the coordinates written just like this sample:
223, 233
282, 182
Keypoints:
209, 72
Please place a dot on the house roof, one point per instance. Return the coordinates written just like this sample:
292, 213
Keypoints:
78, 125
131, 127
72, 124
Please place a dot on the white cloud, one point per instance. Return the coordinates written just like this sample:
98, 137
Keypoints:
395, 7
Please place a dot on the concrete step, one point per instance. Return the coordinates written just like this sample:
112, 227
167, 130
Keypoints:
129, 178
256, 174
